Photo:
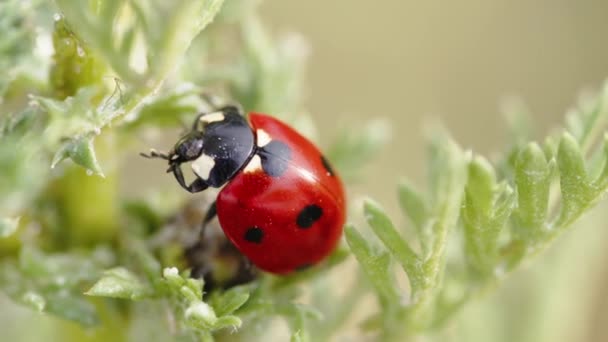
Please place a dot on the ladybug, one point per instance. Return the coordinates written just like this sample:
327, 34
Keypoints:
281, 203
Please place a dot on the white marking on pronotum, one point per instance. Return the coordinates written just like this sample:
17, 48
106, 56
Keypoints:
212, 117
255, 164
202, 166
263, 138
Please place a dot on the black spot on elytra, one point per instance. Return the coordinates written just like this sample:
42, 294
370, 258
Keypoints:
275, 158
309, 215
254, 234
327, 165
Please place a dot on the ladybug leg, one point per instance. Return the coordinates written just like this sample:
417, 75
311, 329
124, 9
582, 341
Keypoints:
197, 185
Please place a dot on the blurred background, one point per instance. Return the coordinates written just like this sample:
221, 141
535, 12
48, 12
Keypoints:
415, 63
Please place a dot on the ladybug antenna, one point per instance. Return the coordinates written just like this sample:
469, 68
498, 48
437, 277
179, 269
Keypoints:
154, 154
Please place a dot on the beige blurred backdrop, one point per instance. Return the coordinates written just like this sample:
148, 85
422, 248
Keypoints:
410, 61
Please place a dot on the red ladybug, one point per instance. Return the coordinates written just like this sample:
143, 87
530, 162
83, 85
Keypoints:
282, 204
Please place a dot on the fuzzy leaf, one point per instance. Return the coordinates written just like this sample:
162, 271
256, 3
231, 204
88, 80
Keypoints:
17, 42
52, 283
413, 205
201, 315
533, 180
229, 321
298, 336
577, 193
386, 232
601, 182
74, 66
448, 176
72, 122
481, 185
355, 148
169, 108
486, 209
82, 152
376, 264
144, 258
119, 283
340, 254
166, 29
583, 121
71, 307
229, 301
268, 75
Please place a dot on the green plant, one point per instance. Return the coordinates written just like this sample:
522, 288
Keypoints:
72, 245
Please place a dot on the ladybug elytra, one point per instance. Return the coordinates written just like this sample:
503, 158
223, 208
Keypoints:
282, 205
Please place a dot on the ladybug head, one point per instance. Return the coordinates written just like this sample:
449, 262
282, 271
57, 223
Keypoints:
218, 145
188, 148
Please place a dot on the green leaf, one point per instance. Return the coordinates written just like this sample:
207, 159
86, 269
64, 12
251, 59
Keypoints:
166, 31
82, 152
340, 254
577, 192
413, 205
200, 315
229, 301
149, 264
74, 66
61, 269
119, 283
448, 176
487, 207
72, 308
355, 148
376, 264
386, 232
229, 321
601, 182
583, 121
533, 176
17, 42
268, 75
298, 336
73, 122
169, 108
52, 283
481, 186
297, 316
